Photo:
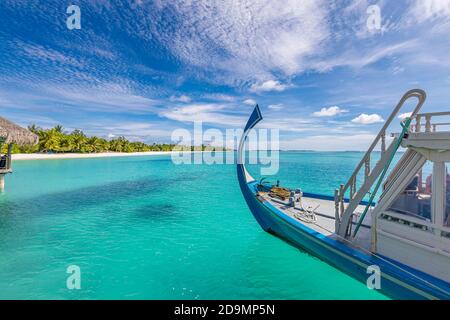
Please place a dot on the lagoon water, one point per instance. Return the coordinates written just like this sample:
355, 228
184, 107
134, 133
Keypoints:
144, 228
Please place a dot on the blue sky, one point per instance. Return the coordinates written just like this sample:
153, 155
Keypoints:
143, 68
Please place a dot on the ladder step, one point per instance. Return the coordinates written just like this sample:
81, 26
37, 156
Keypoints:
398, 169
370, 176
365, 188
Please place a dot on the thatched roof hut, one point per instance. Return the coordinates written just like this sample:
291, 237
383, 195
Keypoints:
16, 134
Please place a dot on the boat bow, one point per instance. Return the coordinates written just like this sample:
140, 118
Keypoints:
247, 183
254, 119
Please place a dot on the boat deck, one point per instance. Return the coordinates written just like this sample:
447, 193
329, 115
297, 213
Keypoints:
325, 217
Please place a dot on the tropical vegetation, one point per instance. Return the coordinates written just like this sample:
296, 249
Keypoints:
56, 140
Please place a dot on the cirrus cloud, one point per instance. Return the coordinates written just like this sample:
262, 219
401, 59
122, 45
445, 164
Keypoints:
250, 102
276, 107
183, 98
246, 39
423, 10
269, 85
203, 112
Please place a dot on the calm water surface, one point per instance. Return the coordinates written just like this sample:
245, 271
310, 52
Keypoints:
144, 228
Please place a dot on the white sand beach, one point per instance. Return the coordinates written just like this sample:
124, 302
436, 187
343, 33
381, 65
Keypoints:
45, 156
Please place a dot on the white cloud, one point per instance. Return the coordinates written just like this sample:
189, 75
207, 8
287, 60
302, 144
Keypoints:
48, 55
403, 116
27, 119
329, 112
250, 102
107, 97
357, 59
276, 107
135, 131
368, 119
269, 85
423, 10
247, 39
182, 98
219, 97
247, 42
206, 113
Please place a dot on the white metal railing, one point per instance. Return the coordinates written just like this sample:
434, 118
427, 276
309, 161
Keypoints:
435, 230
416, 221
356, 194
429, 125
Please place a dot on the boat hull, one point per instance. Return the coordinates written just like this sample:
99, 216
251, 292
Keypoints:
397, 281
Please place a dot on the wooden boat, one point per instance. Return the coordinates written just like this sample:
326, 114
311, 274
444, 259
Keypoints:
404, 238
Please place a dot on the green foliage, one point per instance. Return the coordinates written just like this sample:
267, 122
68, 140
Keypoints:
56, 140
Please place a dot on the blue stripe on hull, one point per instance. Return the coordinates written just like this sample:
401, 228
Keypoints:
396, 283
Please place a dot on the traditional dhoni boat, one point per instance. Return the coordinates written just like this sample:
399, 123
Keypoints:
403, 238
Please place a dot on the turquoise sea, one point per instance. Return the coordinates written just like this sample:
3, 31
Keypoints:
144, 228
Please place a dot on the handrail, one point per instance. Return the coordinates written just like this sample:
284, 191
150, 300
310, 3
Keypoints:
346, 217
417, 221
433, 114
429, 127
418, 93
405, 126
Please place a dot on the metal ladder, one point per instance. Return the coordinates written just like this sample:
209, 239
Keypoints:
398, 170
354, 194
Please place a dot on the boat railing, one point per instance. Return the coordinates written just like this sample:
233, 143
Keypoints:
356, 194
5, 163
438, 234
5, 160
424, 122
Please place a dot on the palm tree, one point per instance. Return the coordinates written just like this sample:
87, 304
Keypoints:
59, 128
67, 143
79, 140
103, 144
93, 144
126, 146
35, 129
49, 140
116, 145
56, 140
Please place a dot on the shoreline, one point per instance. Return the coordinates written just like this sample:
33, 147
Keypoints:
53, 156
44, 156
